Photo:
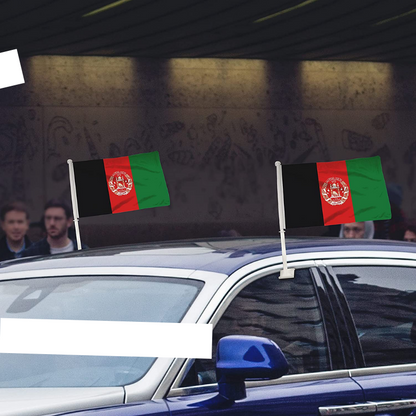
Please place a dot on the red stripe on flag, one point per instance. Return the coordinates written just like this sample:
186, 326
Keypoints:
334, 188
120, 184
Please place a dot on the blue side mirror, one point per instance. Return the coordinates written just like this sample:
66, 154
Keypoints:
242, 357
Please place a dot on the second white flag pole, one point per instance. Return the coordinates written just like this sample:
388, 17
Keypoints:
285, 273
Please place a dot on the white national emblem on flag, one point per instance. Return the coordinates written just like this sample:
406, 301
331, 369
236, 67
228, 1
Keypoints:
335, 191
120, 183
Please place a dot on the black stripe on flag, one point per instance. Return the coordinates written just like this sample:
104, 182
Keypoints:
303, 206
92, 190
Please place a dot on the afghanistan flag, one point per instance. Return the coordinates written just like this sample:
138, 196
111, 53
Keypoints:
121, 184
331, 193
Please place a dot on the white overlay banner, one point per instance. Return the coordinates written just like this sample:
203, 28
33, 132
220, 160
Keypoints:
105, 338
10, 69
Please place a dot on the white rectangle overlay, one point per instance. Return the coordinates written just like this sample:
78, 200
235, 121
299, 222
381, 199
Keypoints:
105, 338
10, 69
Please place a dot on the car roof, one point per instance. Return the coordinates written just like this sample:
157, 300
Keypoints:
222, 255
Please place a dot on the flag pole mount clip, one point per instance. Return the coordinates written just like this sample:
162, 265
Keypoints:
287, 274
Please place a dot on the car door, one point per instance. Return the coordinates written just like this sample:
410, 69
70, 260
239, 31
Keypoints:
382, 301
299, 316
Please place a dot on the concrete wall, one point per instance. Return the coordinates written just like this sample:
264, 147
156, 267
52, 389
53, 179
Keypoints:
219, 126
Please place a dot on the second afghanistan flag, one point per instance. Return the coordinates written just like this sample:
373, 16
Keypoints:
121, 184
332, 193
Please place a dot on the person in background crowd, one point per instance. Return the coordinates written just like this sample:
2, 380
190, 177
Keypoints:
15, 224
57, 218
357, 230
410, 233
393, 228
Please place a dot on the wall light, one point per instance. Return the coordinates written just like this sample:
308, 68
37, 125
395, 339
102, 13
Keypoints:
103, 9
271, 16
395, 17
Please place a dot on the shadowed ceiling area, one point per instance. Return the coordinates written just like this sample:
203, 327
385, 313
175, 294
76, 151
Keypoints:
353, 30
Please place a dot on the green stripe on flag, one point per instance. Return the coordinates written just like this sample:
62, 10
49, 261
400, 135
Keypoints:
149, 180
368, 189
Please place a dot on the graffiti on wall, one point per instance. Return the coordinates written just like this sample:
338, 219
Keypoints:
380, 122
19, 146
352, 140
237, 153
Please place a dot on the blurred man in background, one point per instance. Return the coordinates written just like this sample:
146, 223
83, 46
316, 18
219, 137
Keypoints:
15, 222
57, 218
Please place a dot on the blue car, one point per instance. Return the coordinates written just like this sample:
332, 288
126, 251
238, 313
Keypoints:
338, 338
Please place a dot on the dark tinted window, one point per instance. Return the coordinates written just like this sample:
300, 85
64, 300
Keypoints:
286, 311
383, 305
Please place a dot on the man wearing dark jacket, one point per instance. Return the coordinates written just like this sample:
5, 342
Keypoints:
57, 218
14, 218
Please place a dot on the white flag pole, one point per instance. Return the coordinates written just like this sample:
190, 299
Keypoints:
74, 202
285, 273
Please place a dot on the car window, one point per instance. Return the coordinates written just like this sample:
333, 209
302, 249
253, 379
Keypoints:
104, 298
383, 304
286, 311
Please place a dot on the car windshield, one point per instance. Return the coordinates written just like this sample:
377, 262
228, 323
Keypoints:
103, 298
